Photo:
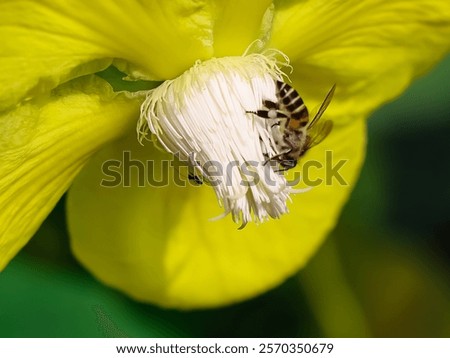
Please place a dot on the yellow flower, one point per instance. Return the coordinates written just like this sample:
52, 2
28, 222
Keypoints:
157, 244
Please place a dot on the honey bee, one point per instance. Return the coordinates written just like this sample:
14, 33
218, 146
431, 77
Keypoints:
296, 134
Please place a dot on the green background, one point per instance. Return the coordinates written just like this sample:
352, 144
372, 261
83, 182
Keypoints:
383, 272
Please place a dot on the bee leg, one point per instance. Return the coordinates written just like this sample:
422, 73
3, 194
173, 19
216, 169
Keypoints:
275, 157
286, 164
271, 113
275, 124
195, 179
260, 113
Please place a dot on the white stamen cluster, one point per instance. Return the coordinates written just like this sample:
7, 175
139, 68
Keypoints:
202, 117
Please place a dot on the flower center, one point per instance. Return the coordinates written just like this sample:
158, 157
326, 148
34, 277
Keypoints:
208, 117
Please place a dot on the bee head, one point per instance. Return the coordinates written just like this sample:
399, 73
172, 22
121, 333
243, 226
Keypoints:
288, 163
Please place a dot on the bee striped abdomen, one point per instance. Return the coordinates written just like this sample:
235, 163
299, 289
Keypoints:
291, 103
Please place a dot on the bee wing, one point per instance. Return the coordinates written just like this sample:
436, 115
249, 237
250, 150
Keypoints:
322, 108
319, 132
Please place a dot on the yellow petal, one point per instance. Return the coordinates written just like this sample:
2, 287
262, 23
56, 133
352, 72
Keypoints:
371, 49
44, 143
237, 24
46, 42
158, 245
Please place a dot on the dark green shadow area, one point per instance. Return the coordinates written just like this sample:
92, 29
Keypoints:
116, 80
